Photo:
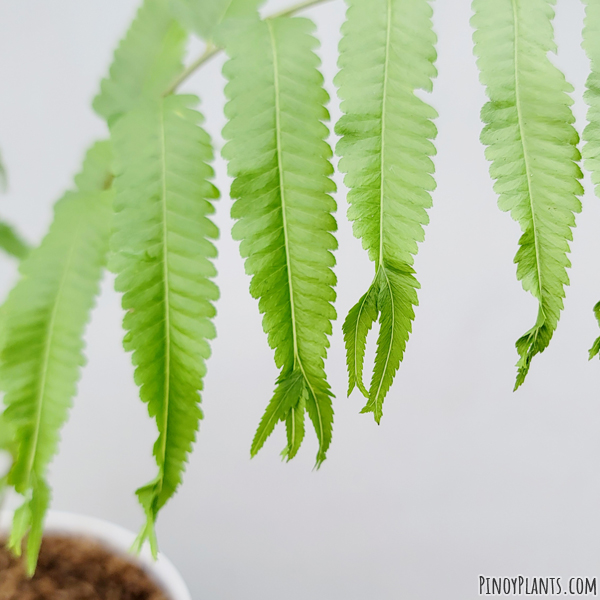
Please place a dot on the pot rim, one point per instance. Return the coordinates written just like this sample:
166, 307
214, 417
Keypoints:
118, 539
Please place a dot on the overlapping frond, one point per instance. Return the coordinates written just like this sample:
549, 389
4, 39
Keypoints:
44, 320
386, 53
145, 62
283, 210
591, 134
532, 146
205, 17
163, 259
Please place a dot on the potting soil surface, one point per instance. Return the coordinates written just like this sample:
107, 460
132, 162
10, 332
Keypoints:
71, 568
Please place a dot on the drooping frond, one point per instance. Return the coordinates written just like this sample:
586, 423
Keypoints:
591, 134
281, 166
205, 17
163, 255
532, 146
386, 53
45, 316
146, 61
12, 243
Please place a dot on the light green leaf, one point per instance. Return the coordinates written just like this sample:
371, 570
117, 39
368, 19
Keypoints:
45, 316
145, 63
205, 16
532, 146
12, 243
356, 327
282, 169
386, 53
163, 260
591, 134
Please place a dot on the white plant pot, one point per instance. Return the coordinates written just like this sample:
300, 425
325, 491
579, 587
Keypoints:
115, 538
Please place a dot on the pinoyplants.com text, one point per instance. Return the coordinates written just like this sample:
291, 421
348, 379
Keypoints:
537, 586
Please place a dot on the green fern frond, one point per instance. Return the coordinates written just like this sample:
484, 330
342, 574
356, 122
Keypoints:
283, 210
12, 243
532, 146
45, 316
591, 134
146, 61
386, 53
205, 17
163, 260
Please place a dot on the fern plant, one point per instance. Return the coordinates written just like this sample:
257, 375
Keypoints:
143, 202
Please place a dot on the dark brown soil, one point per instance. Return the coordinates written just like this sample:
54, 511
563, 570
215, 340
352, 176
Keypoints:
75, 569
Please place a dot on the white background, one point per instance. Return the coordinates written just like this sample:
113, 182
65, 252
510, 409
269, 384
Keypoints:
462, 478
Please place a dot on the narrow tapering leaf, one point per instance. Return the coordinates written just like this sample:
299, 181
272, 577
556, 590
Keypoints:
386, 53
145, 63
356, 327
532, 146
163, 259
45, 317
281, 166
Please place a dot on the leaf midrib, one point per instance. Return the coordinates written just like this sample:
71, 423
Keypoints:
383, 113
165, 254
358, 373
393, 329
47, 347
381, 265
282, 188
524, 146
293, 428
